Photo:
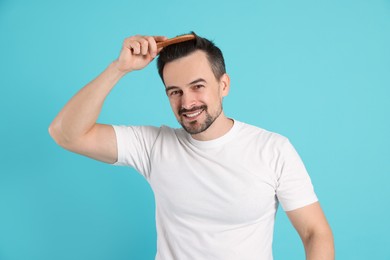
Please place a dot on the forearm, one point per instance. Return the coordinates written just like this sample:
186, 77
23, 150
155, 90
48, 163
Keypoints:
319, 246
81, 113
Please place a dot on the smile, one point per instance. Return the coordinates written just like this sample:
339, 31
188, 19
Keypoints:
193, 114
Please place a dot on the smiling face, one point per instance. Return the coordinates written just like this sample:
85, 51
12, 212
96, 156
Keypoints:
195, 94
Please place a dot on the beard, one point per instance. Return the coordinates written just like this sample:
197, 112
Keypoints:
196, 127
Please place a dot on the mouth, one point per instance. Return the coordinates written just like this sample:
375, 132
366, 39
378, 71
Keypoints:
192, 114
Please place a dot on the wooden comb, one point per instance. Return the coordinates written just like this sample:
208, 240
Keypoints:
181, 38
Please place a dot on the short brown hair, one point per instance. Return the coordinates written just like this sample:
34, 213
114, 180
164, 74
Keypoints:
182, 49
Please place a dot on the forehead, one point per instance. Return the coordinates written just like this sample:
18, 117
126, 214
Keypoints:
186, 69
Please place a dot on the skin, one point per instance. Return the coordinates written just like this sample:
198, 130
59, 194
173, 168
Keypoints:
314, 230
75, 127
191, 88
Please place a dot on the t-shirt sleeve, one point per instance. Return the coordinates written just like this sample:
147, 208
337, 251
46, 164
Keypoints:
135, 144
294, 187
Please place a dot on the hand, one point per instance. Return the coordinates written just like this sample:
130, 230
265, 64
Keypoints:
137, 52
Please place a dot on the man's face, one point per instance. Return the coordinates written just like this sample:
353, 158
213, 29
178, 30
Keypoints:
194, 93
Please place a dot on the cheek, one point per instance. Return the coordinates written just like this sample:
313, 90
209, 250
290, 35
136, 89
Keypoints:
213, 98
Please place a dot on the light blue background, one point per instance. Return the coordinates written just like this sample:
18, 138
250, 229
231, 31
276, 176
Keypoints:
317, 72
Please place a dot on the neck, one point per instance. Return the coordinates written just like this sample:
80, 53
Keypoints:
218, 128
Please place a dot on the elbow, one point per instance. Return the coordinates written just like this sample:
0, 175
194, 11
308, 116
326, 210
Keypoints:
322, 235
322, 232
56, 134
51, 131
319, 245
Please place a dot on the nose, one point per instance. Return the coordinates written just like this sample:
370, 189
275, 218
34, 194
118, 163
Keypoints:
188, 100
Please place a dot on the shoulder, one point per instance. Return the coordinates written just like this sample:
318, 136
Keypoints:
136, 130
144, 128
260, 135
149, 132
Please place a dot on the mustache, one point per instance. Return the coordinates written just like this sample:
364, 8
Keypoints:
183, 110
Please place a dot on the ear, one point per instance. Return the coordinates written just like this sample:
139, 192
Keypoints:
224, 84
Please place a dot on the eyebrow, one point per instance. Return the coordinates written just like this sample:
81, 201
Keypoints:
191, 83
197, 81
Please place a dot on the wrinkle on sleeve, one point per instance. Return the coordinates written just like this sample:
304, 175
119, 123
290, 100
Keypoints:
135, 144
294, 186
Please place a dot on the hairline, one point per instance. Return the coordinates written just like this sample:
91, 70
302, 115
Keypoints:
209, 61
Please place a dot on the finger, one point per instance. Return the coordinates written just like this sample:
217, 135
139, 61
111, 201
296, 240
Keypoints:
144, 46
127, 42
160, 38
136, 47
152, 46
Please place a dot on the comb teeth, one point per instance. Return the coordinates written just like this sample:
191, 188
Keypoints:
182, 38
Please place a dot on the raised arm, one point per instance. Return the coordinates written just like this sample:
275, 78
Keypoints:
314, 230
75, 127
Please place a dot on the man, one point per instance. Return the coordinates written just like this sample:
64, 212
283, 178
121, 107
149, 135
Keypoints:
217, 181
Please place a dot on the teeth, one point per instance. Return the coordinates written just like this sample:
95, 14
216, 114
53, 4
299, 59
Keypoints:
193, 114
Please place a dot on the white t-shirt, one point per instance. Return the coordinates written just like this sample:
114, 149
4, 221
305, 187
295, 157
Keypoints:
216, 199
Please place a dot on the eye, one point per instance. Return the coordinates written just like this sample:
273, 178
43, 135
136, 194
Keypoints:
198, 86
174, 92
